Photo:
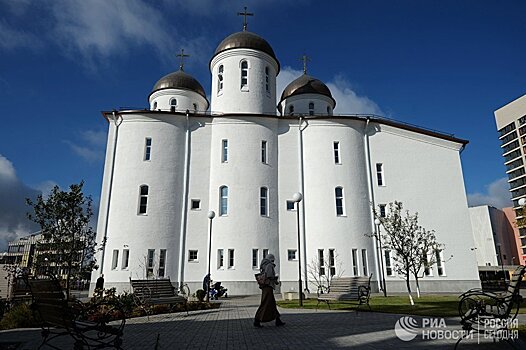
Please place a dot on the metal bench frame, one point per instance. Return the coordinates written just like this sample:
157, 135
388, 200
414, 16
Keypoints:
347, 289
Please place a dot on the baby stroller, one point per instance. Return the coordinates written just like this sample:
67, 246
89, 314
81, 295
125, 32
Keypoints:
218, 291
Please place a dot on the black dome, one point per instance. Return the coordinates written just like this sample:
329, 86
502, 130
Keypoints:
306, 84
179, 80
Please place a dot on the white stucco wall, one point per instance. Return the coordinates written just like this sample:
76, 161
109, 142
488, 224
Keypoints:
483, 236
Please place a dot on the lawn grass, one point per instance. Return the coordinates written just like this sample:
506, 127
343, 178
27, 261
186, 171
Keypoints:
426, 305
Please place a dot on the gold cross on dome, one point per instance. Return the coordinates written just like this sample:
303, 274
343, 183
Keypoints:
305, 59
245, 14
182, 55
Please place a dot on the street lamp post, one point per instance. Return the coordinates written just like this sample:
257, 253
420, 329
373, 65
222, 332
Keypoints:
379, 238
297, 197
211, 216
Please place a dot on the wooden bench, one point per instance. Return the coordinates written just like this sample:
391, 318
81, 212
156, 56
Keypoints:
347, 289
488, 313
158, 292
88, 324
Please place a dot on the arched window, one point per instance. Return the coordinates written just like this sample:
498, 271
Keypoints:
155, 105
143, 199
195, 107
244, 75
263, 201
267, 85
173, 104
223, 200
291, 109
311, 108
329, 112
338, 191
220, 78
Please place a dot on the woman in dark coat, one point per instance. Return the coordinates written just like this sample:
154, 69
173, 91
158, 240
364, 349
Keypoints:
267, 310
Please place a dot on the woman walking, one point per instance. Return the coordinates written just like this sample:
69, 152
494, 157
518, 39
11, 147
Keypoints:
267, 310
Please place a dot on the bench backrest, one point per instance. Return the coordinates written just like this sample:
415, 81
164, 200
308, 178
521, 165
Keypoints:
516, 280
50, 302
153, 288
348, 284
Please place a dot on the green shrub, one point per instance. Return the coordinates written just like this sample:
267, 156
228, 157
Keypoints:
20, 316
200, 294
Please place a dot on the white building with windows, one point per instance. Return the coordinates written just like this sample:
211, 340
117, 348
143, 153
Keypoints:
245, 157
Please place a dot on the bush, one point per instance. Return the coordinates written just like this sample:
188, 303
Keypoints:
20, 316
200, 294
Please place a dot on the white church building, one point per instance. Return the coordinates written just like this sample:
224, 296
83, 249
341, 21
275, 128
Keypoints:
244, 157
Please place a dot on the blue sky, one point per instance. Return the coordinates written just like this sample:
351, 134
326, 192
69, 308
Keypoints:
444, 65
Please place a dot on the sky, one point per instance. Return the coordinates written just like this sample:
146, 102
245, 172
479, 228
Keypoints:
444, 65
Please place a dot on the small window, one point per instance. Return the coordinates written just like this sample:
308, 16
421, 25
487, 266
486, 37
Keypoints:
355, 262
329, 110
255, 253
230, 258
149, 262
321, 262
125, 259
336, 147
291, 109
148, 149
311, 108
388, 265
220, 79
382, 210
291, 205
338, 191
364, 262
143, 199
195, 107
220, 258
264, 152
244, 75
223, 201
162, 263
265, 253
155, 105
224, 151
267, 85
427, 270
291, 254
192, 255
332, 262
173, 104
263, 201
380, 174
196, 204
115, 260
440, 262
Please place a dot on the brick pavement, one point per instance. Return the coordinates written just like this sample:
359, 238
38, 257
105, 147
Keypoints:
230, 327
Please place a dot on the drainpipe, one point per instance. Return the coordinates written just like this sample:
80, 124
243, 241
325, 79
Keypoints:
377, 255
302, 189
184, 210
117, 120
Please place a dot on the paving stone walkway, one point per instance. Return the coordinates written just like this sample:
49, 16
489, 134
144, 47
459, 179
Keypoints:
230, 327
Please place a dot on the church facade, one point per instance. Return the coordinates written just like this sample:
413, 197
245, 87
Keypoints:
245, 158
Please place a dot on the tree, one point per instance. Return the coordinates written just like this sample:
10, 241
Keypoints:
68, 242
413, 246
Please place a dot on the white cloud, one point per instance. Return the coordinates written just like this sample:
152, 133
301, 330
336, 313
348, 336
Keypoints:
95, 138
11, 38
7, 170
497, 195
347, 100
90, 146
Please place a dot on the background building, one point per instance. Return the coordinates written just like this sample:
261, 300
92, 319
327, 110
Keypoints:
168, 165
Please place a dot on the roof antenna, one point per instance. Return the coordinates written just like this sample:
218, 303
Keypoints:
245, 14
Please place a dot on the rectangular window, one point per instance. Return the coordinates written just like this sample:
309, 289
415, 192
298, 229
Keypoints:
255, 253
332, 262
115, 260
224, 151
220, 259
148, 148
230, 258
291, 254
192, 255
162, 262
388, 265
382, 210
427, 270
263, 201
321, 262
338, 191
364, 262
355, 262
149, 262
380, 174
336, 152
440, 263
196, 204
223, 201
264, 152
291, 205
143, 199
265, 253
125, 258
